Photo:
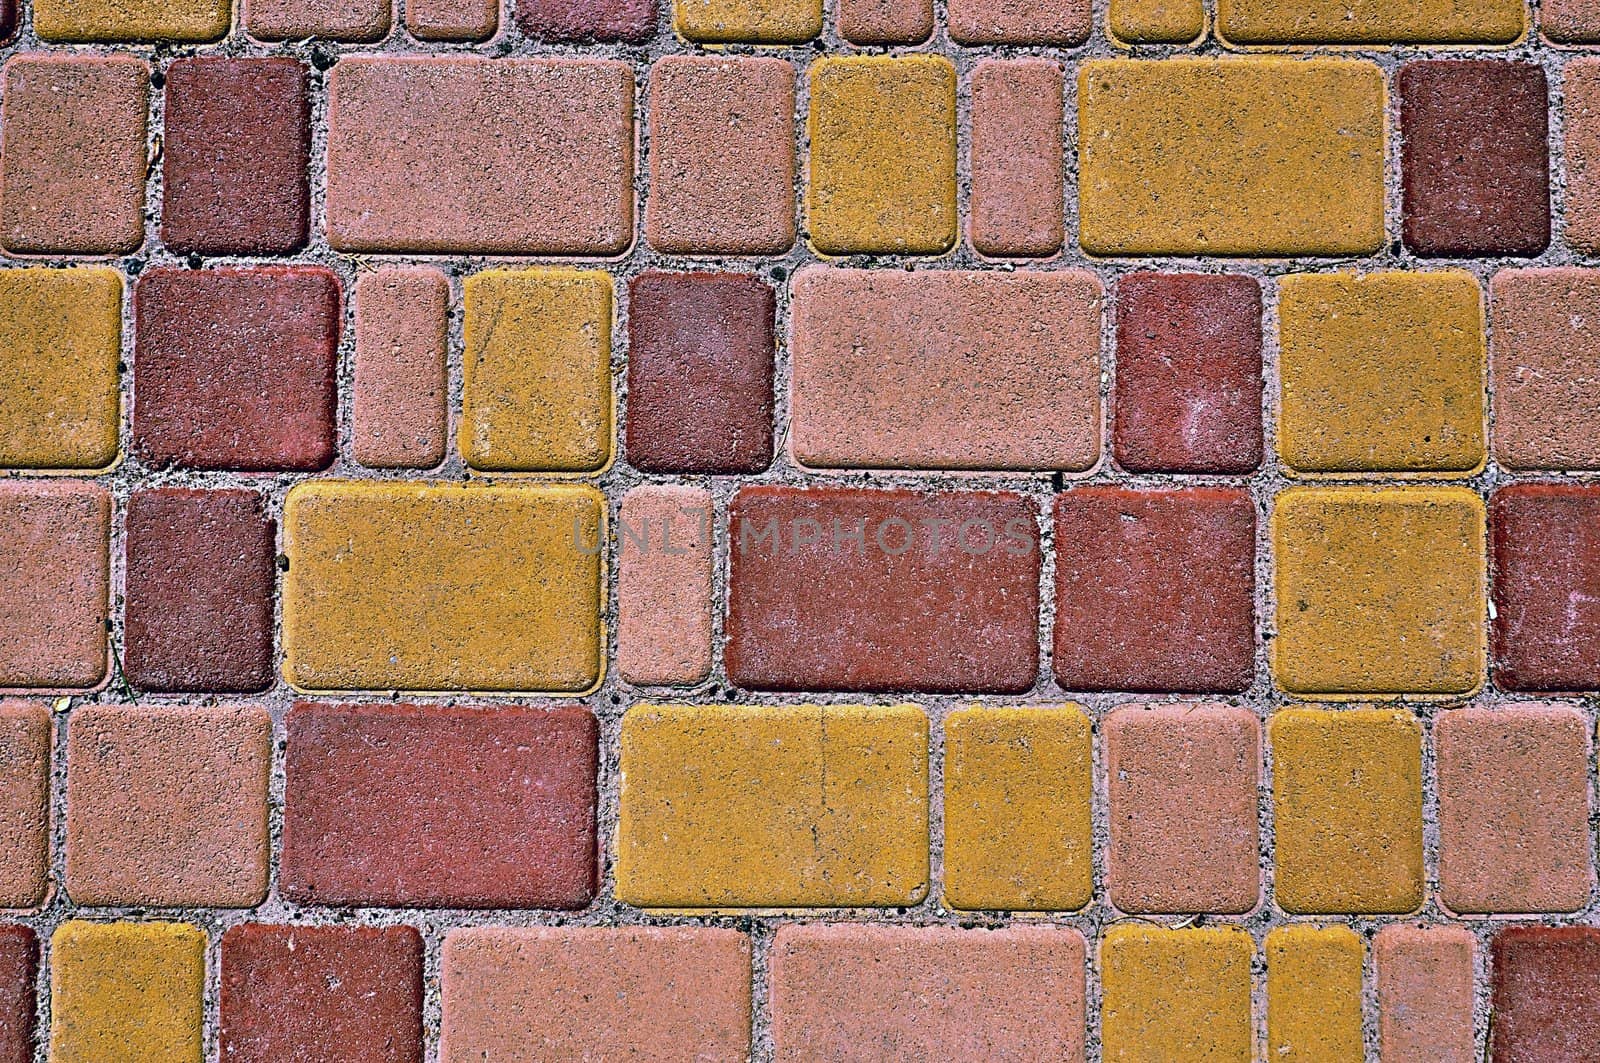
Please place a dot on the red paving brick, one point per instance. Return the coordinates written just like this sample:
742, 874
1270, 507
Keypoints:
1016, 158
55, 583
1057, 22
1424, 978
339, 20
1546, 993
26, 736
399, 415
885, 21
1545, 578
452, 20
19, 965
632, 21
1546, 396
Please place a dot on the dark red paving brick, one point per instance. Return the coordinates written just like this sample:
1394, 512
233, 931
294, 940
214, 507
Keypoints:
1188, 389
321, 994
1546, 994
19, 964
237, 140
1475, 157
699, 373
1155, 589
199, 584
632, 21
440, 806
920, 604
1545, 579
236, 368
8, 20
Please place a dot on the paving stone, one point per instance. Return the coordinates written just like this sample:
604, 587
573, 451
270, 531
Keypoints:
19, 969
356, 21
1570, 21
1380, 590
439, 806
452, 20
1254, 22
1546, 993
722, 155
126, 991
435, 587
501, 156
167, 805
55, 583
853, 992
1581, 135
885, 21
1017, 786
945, 369
665, 592
10, 21
1181, 782
332, 993
1042, 22
596, 992
700, 373
73, 173
752, 21
26, 736
536, 371
1425, 997
1188, 381
1157, 21
1382, 372
1256, 156
759, 807
1513, 794
1347, 801
108, 22
1314, 994
836, 588
628, 21
1176, 994
1016, 161
881, 173
1546, 395
1545, 629
60, 355
237, 138
236, 368
1475, 157
199, 577
400, 403
1155, 590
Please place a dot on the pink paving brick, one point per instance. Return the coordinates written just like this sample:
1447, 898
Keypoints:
1058, 22
722, 155
1182, 783
1155, 589
1570, 21
332, 994
167, 805
55, 583
857, 992
1546, 993
237, 138
452, 20
865, 590
19, 967
439, 806
236, 368
73, 172
596, 993
26, 736
1546, 391
199, 575
630, 21
1016, 158
399, 415
507, 156
339, 20
1188, 387
885, 21
1545, 582
700, 363
1513, 786
945, 369
1425, 995
664, 589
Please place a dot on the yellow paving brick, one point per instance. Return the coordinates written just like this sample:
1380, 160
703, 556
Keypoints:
1314, 995
131, 20
767, 807
1171, 995
882, 173
756, 21
1253, 22
413, 586
1234, 156
1383, 372
60, 341
536, 371
1379, 591
1347, 800
1157, 21
126, 991
1017, 786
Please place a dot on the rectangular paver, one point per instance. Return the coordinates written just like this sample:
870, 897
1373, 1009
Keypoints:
1314, 994
1176, 994
126, 990
665, 596
1016, 159
1425, 992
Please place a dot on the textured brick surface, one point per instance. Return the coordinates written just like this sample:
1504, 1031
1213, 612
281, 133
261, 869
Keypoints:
1250, 22
25, 740
452, 20
1570, 21
1057, 22
358, 21
126, 991
1581, 119
940, 592
1156, 21
1425, 995
1016, 158
236, 368
1545, 631
665, 590
632, 21
439, 806
843, 992
400, 413
55, 576
1314, 994
1546, 394
945, 370
885, 21
96, 21
756, 21
1175, 994
19, 966
1546, 992
338, 994
1154, 589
